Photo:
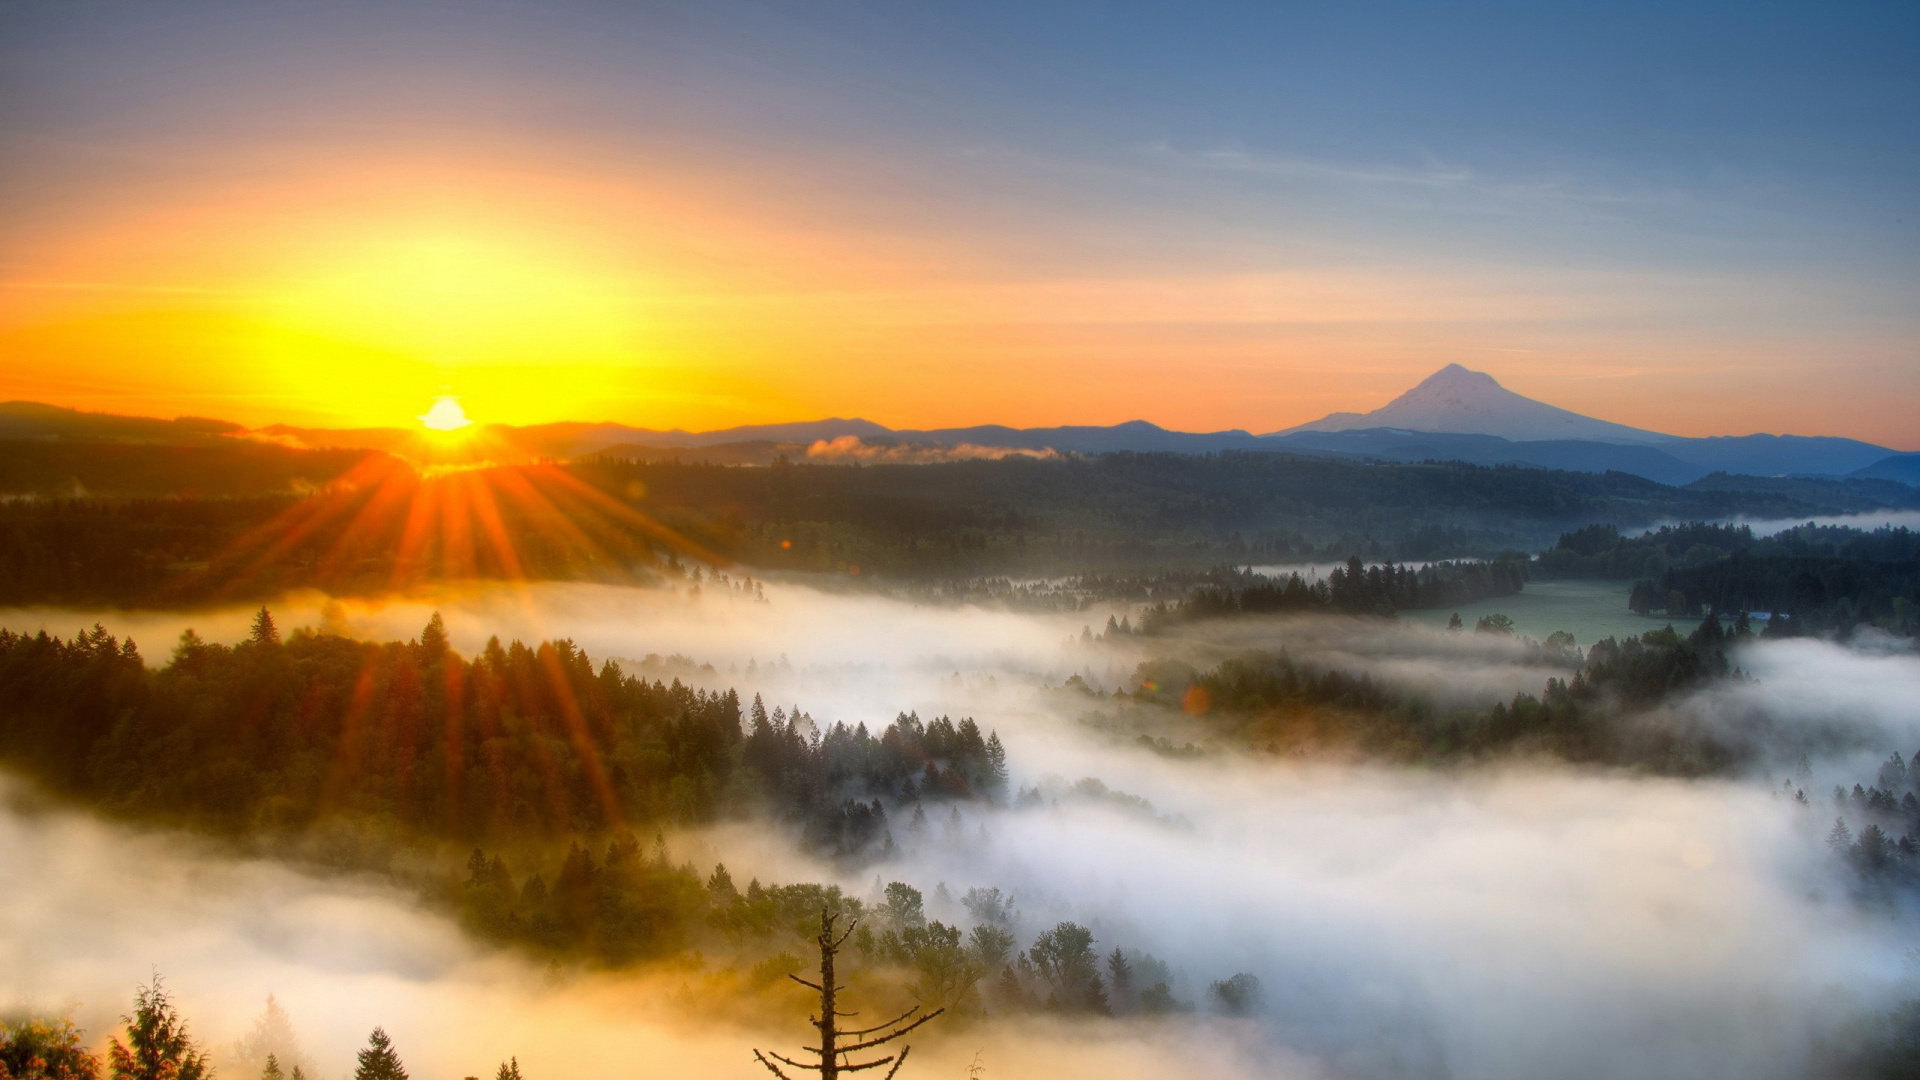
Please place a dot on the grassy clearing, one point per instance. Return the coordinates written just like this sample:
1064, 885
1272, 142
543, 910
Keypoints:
1589, 610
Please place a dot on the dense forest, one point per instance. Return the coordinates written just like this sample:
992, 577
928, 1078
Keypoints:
540, 769
207, 468
1875, 827
272, 735
374, 756
1821, 578
380, 522
1352, 589
1271, 702
1846, 494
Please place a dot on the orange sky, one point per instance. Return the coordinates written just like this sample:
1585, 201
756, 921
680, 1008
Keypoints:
345, 260
354, 295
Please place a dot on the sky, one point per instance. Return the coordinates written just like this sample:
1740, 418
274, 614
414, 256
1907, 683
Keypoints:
1694, 218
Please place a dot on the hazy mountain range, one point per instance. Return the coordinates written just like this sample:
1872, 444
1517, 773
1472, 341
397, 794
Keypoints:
1455, 415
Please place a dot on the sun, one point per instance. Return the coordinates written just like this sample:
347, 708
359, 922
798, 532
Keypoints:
446, 415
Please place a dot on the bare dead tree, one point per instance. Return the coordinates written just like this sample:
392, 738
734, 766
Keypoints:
833, 1058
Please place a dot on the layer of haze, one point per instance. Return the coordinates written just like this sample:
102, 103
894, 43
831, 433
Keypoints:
1515, 921
1229, 215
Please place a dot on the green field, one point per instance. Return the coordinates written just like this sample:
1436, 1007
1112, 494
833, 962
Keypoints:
1589, 610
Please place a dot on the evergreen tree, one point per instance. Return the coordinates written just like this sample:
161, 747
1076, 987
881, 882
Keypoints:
1840, 838
509, 1070
996, 766
433, 638
378, 1061
190, 643
1120, 973
1894, 774
272, 1037
1008, 992
534, 892
158, 1046
264, 631
272, 1069
1874, 851
720, 884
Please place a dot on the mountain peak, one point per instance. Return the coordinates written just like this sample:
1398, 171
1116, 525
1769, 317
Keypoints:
1458, 400
1456, 375
1462, 382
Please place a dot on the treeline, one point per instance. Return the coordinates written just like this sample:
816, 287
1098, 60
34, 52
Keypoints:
1272, 702
1601, 551
626, 904
1876, 828
374, 755
1822, 578
126, 551
215, 467
898, 953
1351, 589
1874, 851
1795, 594
520, 741
156, 1044
378, 523
1125, 511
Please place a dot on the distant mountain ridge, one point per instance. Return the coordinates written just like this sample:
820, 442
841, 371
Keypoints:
1900, 468
1455, 414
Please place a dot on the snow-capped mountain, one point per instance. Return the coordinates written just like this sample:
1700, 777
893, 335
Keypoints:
1456, 400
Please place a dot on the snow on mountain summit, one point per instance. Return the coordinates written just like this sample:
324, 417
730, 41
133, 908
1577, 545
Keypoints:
1460, 401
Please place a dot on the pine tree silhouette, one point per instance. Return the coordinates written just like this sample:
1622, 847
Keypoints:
378, 1061
264, 631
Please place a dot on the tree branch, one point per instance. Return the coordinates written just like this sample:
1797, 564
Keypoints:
851, 927
878, 1027
771, 1067
890, 1037
904, 1051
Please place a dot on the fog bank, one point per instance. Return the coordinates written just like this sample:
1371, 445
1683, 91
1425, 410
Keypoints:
1519, 921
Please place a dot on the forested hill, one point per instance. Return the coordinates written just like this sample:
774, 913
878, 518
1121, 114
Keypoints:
520, 742
384, 524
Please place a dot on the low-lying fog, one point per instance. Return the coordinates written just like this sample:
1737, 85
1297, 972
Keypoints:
1867, 519
1520, 921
